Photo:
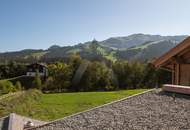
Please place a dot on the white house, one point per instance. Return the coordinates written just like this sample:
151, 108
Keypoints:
32, 69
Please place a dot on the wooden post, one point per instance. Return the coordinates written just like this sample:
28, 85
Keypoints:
177, 73
173, 74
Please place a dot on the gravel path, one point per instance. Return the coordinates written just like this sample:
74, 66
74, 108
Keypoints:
150, 111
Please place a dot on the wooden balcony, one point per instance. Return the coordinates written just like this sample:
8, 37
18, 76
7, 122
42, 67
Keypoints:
176, 88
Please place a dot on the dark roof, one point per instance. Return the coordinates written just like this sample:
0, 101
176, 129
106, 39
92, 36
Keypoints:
41, 64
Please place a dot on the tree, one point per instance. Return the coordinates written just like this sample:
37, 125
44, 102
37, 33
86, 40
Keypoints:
61, 76
37, 83
122, 71
150, 76
12, 69
137, 74
96, 77
94, 46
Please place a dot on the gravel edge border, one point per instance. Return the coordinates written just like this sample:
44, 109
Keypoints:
97, 107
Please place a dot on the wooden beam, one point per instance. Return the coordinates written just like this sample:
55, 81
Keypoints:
179, 60
176, 88
170, 70
186, 55
184, 52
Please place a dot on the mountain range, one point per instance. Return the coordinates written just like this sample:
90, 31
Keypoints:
132, 47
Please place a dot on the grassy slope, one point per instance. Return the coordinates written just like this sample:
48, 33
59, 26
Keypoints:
39, 54
74, 51
53, 106
109, 56
36, 54
145, 45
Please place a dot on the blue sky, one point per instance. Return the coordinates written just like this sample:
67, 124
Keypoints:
42, 23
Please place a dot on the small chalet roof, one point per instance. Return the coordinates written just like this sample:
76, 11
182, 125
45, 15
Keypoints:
40, 64
177, 52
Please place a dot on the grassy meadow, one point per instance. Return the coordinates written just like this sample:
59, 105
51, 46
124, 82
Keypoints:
53, 106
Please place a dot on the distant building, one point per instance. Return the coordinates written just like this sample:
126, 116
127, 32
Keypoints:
32, 69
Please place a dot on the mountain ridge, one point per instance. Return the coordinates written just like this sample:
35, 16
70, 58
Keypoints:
132, 47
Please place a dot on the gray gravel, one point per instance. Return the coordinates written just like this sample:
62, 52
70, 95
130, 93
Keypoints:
149, 111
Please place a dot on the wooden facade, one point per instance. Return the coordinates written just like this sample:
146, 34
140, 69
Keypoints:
177, 60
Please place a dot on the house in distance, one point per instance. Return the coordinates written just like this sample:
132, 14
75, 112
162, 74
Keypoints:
32, 69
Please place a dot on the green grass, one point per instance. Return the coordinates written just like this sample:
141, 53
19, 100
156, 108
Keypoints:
54, 106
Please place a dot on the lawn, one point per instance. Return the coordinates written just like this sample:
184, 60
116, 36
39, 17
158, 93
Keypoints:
54, 106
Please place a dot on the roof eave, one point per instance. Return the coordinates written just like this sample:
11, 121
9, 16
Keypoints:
171, 53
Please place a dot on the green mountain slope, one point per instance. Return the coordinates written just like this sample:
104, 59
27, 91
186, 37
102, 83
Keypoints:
137, 39
146, 51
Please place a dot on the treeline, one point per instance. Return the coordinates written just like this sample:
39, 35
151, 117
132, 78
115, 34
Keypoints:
77, 74
12, 69
84, 75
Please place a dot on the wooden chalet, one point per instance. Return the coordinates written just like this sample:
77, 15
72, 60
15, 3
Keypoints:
177, 60
32, 69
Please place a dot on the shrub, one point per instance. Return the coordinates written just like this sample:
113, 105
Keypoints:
48, 85
26, 81
22, 104
37, 83
109, 88
18, 85
6, 87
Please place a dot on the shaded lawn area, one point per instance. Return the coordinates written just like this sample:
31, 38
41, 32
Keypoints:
49, 107
54, 106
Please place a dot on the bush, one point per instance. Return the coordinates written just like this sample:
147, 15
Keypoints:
6, 87
48, 85
109, 88
26, 81
37, 83
22, 104
18, 85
